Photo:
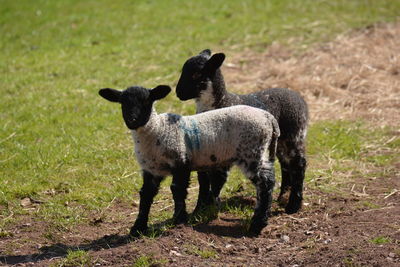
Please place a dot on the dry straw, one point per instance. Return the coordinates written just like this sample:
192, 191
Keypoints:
356, 76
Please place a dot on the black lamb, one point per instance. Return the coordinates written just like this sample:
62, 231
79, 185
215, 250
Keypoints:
202, 80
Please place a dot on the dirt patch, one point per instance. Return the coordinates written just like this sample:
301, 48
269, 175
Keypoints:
354, 77
357, 227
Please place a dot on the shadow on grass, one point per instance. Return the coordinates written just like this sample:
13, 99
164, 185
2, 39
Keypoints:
235, 228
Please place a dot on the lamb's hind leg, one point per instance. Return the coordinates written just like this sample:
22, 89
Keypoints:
284, 160
264, 181
180, 183
297, 168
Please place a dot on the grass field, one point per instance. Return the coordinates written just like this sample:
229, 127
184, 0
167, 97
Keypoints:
64, 147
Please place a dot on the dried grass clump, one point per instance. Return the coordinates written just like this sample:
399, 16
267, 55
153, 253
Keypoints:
356, 76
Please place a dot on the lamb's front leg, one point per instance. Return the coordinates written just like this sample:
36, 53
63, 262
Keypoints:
205, 197
150, 187
214, 178
218, 179
180, 183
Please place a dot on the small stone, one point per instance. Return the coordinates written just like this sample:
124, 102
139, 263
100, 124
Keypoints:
175, 253
309, 232
240, 259
228, 246
243, 247
26, 202
392, 255
327, 241
270, 248
285, 238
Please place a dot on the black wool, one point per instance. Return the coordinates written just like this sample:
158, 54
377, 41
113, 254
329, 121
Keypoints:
202, 79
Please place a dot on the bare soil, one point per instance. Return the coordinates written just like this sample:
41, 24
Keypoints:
356, 76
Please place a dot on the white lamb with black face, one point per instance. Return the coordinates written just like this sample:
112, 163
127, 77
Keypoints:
172, 144
202, 80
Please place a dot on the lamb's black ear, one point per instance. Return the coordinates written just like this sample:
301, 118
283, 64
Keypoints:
205, 52
214, 62
159, 92
110, 94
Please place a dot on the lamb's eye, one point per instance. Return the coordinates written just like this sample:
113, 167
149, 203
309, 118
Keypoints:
196, 75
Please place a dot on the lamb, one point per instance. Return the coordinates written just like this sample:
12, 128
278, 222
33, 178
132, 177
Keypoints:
172, 144
202, 80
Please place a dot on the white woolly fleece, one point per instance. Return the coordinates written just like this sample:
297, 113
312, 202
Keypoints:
214, 138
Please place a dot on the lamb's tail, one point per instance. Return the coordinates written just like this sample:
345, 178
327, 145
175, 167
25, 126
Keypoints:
274, 139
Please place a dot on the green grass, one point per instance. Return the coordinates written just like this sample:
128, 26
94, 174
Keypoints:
346, 146
61, 144
205, 253
147, 261
143, 261
336, 139
380, 240
75, 258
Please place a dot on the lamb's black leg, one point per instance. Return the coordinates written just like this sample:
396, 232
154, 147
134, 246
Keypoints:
149, 189
284, 159
297, 166
285, 183
264, 182
205, 197
214, 179
180, 183
218, 179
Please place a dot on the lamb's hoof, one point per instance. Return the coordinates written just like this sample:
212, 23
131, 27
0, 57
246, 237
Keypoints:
199, 209
217, 202
137, 231
293, 207
206, 214
182, 218
283, 199
256, 228
203, 204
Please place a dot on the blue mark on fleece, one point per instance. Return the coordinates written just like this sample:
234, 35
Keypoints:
192, 134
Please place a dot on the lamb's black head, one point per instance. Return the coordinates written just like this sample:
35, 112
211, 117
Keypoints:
196, 73
136, 102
